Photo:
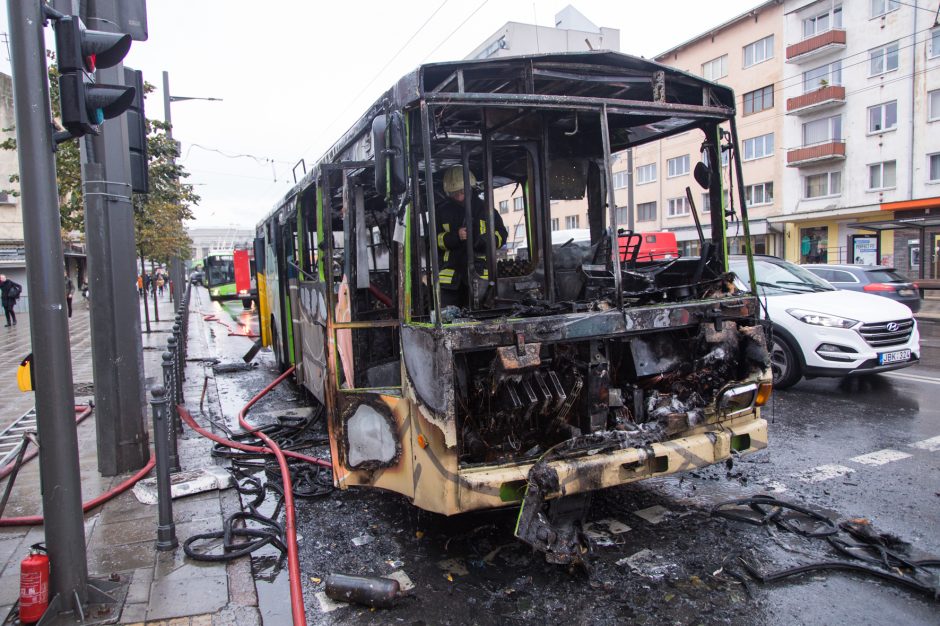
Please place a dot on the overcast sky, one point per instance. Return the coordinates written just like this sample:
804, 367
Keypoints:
294, 75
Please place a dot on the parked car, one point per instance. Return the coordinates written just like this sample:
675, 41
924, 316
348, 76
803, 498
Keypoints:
874, 279
196, 277
820, 331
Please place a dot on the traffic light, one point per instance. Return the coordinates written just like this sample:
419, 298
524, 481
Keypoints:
137, 132
79, 52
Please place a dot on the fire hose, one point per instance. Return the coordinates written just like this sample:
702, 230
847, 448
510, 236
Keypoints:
271, 447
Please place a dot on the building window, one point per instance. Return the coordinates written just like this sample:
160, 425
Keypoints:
622, 215
933, 105
883, 117
883, 59
759, 51
934, 47
822, 185
518, 233
646, 211
882, 175
824, 130
761, 193
677, 207
572, 221
822, 76
504, 206
716, 68
620, 179
556, 223
822, 22
814, 244
518, 203
934, 168
678, 166
880, 7
646, 174
707, 201
759, 100
759, 147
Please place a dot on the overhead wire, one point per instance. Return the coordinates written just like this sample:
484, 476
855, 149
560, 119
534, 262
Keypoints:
329, 126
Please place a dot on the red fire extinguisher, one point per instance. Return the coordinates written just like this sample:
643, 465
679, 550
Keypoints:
34, 584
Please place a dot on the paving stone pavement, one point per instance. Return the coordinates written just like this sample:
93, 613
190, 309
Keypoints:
165, 588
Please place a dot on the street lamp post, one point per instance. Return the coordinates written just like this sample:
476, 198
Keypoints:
176, 267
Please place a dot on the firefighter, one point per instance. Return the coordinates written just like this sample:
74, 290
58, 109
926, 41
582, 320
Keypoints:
452, 233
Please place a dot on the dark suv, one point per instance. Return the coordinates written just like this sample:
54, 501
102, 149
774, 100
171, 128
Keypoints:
875, 279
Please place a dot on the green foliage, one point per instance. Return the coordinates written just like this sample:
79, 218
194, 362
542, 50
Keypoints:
159, 215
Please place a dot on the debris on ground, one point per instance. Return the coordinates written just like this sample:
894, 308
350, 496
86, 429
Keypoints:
654, 514
370, 591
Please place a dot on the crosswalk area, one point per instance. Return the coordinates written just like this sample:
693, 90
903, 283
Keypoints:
878, 458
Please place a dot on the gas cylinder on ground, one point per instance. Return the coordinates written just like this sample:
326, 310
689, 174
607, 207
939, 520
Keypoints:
34, 585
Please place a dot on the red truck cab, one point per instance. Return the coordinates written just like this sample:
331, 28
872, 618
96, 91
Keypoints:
653, 246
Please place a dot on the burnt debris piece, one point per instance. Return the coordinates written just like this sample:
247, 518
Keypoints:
380, 593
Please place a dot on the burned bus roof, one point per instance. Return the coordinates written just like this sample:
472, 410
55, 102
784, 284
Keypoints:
672, 100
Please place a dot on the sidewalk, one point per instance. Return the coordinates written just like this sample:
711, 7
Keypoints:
120, 535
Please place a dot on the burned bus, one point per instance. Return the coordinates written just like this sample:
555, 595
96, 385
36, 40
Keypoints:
571, 370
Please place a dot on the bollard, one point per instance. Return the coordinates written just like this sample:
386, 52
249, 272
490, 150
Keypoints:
181, 338
178, 359
173, 414
173, 347
166, 529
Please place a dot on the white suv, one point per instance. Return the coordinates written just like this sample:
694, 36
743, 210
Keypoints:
820, 331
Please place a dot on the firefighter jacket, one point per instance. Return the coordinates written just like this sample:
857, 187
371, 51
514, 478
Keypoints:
453, 251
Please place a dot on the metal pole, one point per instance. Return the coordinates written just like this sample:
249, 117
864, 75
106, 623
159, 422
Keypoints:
143, 282
631, 219
55, 399
115, 313
162, 434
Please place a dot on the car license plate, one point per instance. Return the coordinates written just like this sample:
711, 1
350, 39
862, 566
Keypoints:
906, 292
894, 357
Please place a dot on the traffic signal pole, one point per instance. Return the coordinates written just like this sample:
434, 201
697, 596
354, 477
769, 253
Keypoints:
55, 398
117, 352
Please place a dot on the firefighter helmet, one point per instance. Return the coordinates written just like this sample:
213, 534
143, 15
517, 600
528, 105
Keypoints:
453, 179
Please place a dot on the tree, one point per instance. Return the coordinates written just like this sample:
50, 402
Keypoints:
159, 215
67, 165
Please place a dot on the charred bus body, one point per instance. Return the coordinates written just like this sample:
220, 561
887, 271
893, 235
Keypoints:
596, 370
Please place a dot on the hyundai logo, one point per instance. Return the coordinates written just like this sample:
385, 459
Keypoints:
893, 327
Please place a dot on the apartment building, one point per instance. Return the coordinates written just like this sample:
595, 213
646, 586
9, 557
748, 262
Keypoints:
746, 54
861, 132
573, 32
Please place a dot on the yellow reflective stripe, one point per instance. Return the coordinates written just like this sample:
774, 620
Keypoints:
499, 240
482, 227
447, 276
446, 255
485, 275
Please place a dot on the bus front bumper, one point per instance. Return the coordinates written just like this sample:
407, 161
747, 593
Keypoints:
492, 487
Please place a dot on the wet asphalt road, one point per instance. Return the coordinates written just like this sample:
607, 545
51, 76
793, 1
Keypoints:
682, 569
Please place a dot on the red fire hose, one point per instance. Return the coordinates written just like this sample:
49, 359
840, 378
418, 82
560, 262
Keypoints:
293, 562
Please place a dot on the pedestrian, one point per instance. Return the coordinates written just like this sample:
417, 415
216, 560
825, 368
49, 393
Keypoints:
9, 293
160, 283
140, 286
69, 291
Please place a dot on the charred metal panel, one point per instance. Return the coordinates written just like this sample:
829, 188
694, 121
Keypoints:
312, 314
429, 367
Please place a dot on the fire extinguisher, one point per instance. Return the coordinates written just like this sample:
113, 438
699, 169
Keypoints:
34, 584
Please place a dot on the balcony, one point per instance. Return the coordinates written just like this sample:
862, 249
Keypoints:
816, 154
816, 45
823, 98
